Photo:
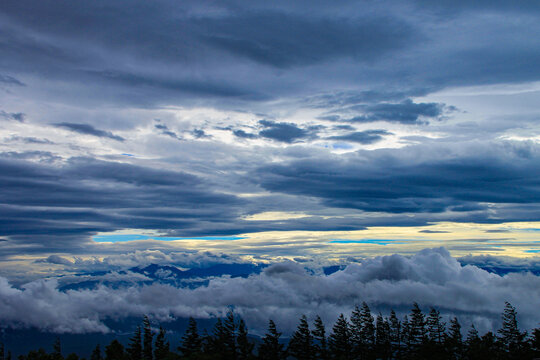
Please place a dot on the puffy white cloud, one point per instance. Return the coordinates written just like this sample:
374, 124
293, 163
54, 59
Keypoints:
284, 291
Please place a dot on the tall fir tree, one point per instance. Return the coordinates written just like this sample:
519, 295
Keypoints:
436, 328
382, 338
148, 338
509, 334
231, 327
244, 345
319, 336
454, 339
271, 348
191, 341
161, 350
406, 332
535, 343
363, 331
57, 350
417, 330
395, 334
96, 353
2, 351
339, 341
115, 351
301, 343
135, 347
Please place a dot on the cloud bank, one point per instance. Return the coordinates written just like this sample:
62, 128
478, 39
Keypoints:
282, 292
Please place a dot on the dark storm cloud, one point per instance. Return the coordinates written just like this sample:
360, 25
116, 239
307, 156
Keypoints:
362, 137
405, 112
87, 129
179, 53
284, 40
85, 196
280, 131
395, 181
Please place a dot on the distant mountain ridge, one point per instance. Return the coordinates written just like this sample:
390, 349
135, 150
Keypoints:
164, 274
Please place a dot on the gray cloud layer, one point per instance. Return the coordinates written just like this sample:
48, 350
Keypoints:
283, 292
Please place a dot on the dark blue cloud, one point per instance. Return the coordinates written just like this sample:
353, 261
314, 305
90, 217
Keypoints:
10, 80
284, 132
405, 112
284, 39
12, 116
166, 131
362, 137
381, 181
87, 129
242, 134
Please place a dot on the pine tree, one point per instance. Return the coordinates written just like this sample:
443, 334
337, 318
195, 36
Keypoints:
363, 331
301, 343
271, 349
454, 339
96, 353
436, 328
417, 332
473, 343
319, 335
148, 337
245, 347
509, 334
339, 340
535, 343
115, 351
8, 357
382, 337
191, 341
57, 350
135, 348
406, 332
161, 350
395, 335
2, 351
230, 331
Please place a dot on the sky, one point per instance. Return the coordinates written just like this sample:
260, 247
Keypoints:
268, 132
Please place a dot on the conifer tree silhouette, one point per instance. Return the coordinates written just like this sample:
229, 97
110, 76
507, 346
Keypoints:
271, 348
57, 350
161, 350
510, 336
301, 343
191, 341
115, 351
244, 346
135, 348
395, 334
96, 353
417, 332
148, 337
319, 335
339, 340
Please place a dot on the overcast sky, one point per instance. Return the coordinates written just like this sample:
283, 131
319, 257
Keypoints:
268, 130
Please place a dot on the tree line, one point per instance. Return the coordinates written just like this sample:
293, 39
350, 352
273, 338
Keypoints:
361, 336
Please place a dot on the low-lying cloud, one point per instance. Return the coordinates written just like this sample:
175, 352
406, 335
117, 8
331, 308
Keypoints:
283, 292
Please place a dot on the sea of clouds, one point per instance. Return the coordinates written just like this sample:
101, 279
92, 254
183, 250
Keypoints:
282, 292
